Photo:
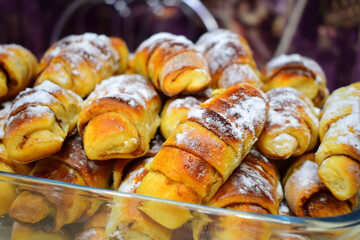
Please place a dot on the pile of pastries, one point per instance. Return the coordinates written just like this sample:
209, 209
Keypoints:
183, 121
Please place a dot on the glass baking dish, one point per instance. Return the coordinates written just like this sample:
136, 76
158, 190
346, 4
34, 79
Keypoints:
245, 225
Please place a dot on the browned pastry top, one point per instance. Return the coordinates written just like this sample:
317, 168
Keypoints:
228, 116
285, 106
72, 153
294, 61
150, 44
87, 46
132, 89
222, 48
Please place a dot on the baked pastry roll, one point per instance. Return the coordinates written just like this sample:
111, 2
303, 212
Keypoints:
79, 62
69, 165
174, 110
205, 148
8, 191
126, 221
292, 125
173, 63
94, 228
18, 70
298, 72
307, 196
26, 231
39, 120
338, 155
120, 118
230, 59
251, 187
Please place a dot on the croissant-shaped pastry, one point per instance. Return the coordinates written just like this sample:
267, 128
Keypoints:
338, 155
251, 187
292, 125
94, 228
174, 110
173, 64
79, 62
69, 165
230, 59
307, 196
120, 118
298, 72
26, 231
7, 190
19, 68
126, 221
205, 148
39, 120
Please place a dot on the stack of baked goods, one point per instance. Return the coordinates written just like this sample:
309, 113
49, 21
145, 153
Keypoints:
182, 121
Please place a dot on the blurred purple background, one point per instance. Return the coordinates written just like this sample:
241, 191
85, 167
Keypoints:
325, 30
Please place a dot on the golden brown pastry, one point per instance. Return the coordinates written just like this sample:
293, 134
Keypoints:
18, 69
292, 125
79, 62
126, 221
94, 228
69, 165
174, 110
307, 196
298, 72
120, 118
338, 155
7, 190
173, 64
39, 120
230, 59
26, 231
204, 149
251, 187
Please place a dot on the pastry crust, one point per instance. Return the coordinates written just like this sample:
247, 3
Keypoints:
230, 59
69, 165
292, 126
298, 72
307, 196
120, 118
338, 155
173, 64
39, 120
18, 69
252, 187
79, 62
227, 126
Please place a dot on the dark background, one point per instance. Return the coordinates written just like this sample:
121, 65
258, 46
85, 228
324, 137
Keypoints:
327, 30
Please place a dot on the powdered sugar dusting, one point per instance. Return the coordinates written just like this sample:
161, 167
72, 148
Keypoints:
4, 112
209, 39
187, 102
96, 49
131, 183
248, 181
133, 89
306, 175
32, 112
203, 116
284, 109
283, 60
243, 115
345, 131
238, 73
37, 97
344, 101
152, 42
224, 52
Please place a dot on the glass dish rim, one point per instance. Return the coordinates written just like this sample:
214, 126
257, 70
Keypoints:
307, 224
